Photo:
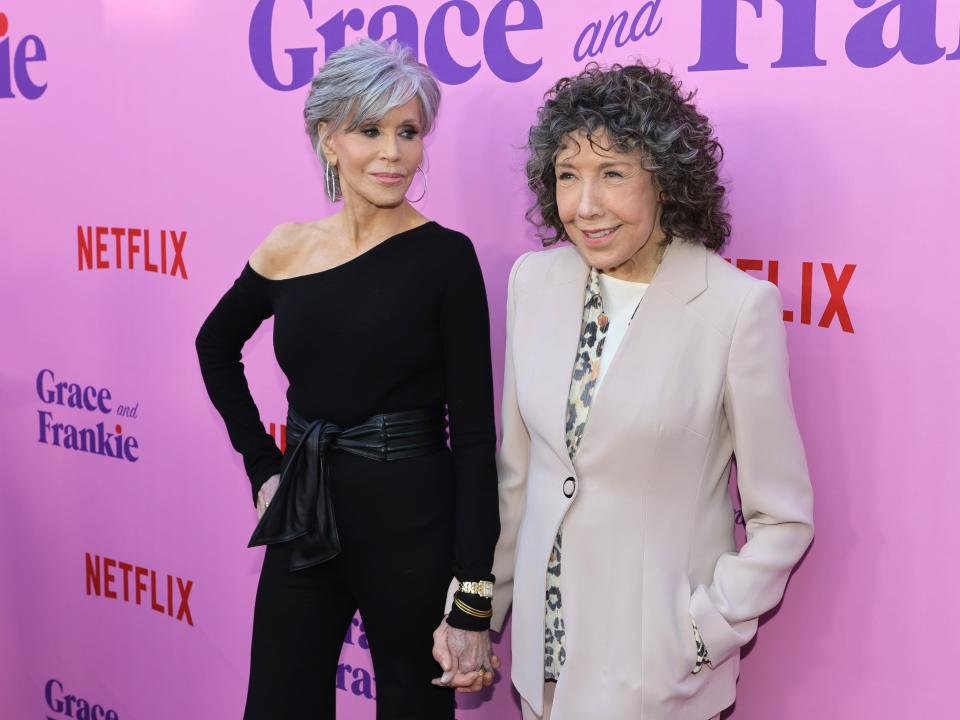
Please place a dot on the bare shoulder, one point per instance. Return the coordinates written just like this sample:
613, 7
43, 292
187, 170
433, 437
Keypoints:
286, 248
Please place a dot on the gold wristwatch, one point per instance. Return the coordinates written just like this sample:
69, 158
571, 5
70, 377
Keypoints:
483, 588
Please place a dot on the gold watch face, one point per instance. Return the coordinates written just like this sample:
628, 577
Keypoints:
483, 588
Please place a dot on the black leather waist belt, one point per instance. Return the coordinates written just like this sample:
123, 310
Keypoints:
302, 508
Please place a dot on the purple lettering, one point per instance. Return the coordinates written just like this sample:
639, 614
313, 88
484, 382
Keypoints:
261, 50
435, 49
917, 40
25, 84
54, 704
799, 35
496, 50
334, 31
718, 35
406, 33
6, 89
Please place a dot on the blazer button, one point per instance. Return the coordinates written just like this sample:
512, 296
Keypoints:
569, 486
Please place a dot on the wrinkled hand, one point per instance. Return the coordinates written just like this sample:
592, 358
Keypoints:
266, 493
465, 656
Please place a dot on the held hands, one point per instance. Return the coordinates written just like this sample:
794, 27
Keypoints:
465, 657
266, 493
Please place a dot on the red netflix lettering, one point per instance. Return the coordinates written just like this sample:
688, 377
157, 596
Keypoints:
282, 440
101, 249
93, 575
117, 236
126, 567
806, 291
184, 610
153, 592
178, 249
108, 578
773, 272
175, 603
836, 306
139, 585
132, 249
147, 265
84, 248
835, 284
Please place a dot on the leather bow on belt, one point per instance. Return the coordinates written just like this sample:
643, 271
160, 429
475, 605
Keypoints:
302, 508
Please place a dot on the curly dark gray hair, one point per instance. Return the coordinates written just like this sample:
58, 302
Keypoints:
638, 107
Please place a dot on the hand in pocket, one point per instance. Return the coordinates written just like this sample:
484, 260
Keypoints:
266, 493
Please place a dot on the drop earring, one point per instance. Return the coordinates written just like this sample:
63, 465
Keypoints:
330, 183
329, 176
424, 193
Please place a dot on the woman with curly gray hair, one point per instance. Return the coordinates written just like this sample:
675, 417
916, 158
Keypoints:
639, 366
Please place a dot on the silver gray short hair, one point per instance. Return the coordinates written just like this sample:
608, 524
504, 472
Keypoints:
361, 83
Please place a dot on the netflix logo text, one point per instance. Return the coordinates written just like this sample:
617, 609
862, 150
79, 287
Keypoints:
117, 580
278, 431
102, 248
811, 278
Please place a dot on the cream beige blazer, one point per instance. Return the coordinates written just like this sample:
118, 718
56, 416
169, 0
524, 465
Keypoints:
648, 525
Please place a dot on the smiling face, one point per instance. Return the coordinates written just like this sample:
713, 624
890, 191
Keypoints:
609, 206
376, 161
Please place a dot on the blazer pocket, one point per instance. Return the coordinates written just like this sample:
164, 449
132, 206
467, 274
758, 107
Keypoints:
690, 644
684, 649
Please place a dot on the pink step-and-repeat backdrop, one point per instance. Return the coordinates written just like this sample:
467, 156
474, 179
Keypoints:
147, 146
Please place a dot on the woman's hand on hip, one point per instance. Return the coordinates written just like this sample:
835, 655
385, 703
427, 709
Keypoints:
266, 493
465, 656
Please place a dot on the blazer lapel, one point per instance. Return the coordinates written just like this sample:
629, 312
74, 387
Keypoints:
561, 316
683, 270
681, 277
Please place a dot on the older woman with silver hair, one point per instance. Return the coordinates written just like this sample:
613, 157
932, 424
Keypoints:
639, 367
381, 327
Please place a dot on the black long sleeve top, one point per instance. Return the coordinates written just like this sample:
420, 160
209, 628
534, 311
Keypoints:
403, 326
